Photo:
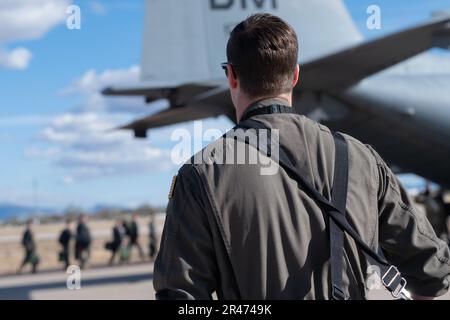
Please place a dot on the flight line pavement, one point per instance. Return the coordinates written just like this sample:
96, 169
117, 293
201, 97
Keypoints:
123, 282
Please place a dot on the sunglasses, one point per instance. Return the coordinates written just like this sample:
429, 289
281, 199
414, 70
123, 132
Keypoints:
224, 66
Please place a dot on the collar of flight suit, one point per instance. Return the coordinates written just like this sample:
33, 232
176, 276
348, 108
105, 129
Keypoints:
265, 103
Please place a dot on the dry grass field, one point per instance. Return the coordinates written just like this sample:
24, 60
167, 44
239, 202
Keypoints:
46, 236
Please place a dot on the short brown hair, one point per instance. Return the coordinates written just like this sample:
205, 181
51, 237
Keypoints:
263, 50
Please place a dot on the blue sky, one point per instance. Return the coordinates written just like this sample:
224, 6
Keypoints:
52, 117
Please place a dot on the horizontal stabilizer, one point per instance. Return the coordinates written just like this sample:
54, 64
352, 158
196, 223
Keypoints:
212, 103
175, 94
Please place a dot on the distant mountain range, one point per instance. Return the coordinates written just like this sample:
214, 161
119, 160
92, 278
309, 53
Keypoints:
8, 210
21, 212
101, 207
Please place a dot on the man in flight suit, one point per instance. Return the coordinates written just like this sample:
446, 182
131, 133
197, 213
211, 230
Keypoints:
244, 235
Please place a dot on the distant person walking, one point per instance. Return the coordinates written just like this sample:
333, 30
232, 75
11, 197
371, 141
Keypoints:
116, 244
132, 231
30, 248
82, 242
64, 240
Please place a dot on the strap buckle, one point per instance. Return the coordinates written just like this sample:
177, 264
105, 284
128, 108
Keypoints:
395, 284
405, 294
337, 293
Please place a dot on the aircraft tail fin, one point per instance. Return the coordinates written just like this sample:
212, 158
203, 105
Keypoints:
185, 41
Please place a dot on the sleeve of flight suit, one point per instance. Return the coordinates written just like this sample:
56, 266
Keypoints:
408, 239
186, 267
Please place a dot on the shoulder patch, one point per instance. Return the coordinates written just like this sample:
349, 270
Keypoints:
172, 187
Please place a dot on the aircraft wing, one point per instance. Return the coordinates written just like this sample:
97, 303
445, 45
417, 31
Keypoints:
345, 68
212, 103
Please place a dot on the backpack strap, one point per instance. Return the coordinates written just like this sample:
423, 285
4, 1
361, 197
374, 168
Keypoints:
339, 200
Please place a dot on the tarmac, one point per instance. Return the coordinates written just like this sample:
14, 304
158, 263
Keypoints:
125, 282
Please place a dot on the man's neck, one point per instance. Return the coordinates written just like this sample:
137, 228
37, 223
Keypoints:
244, 102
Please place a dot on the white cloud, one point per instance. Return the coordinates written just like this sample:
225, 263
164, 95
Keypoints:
85, 142
29, 19
18, 58
26, 20
91, 83
87, 147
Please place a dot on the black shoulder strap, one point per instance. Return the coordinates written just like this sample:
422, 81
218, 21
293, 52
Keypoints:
390, 276
339, 200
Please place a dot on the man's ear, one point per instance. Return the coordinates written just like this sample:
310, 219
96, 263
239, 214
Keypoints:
232, 81
296, 76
